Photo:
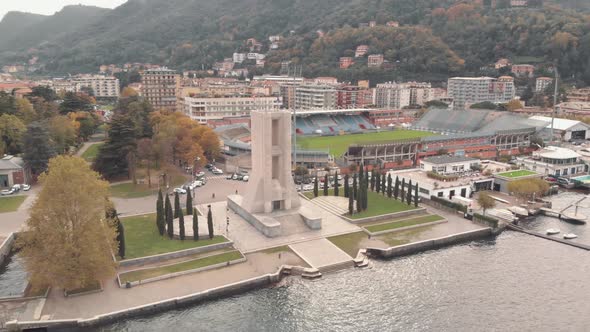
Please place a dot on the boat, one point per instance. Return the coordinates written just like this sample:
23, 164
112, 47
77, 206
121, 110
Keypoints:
569, 236
552, 231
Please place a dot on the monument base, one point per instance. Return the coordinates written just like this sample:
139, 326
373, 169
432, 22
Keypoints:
269, 224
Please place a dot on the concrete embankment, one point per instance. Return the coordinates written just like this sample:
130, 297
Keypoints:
412, 248
6, 247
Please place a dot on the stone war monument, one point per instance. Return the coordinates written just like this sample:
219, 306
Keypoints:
271, 198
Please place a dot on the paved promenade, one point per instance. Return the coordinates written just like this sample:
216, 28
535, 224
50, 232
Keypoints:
321, 253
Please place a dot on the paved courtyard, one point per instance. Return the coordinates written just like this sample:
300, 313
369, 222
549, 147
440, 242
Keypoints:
320, 253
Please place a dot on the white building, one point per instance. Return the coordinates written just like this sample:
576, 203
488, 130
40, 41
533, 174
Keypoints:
566, 129
399, 95
556, 161
542, 83
102, 86
471, 90
428, 186
448, 164
315, 97
239, 57
203, 109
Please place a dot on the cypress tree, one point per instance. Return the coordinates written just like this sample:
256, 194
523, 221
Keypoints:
416, 196
169, 218
121, 238
396, 190
346, 186
389, 188
361, 173
403, 193
176, 205
336, 189
409, 198
377, 182
373, 182
160, 219
350, 205
315, 187
195, 225
326, 185
354, 187
383, 184
189, 203
181, 224
210, 222
359, 197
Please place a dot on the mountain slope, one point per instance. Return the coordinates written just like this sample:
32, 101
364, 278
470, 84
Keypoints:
14, 22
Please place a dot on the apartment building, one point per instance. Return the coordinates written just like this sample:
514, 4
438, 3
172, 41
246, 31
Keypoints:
104, 87
375, 60
542, 83
398, 95
161, 87
361, 51
346, 62
470, 90
208, 108
315, 96
523, 70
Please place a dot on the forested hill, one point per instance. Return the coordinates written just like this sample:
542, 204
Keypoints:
436, 38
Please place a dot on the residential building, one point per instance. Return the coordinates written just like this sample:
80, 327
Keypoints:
470, 90
399, 95
555, 161
372, 24
13, 68
361, 51
161, 87
501, 63
393, 24
63, 85
375, 60
542, 83
523, 70
11, 171
346, 62
239, 57
446, 164
274, 39
326, 80
579, 95
103, 87
315, 97
209, 108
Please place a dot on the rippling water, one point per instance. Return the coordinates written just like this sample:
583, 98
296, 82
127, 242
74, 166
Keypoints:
13, 278
513, 283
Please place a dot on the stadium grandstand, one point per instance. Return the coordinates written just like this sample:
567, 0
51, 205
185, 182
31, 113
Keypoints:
333, 122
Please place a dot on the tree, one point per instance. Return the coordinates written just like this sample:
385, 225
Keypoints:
346, 186
210, 222
360, 195
484, 105
169, 218
326, 184
336, 189
403, 190
527, 189
373, 178
486, 202
315, 187
176, 205
383, 179
416, 199
12, 130
377, 182
514, 105
389, 188
195, 225
160, 214
37, 148
409, 197
361, 173
354, 187
68, 243
25, 110
7, 103
45, 92
210, 144
62, 132
189, 202
350, 205
112, 159
181, 224
74, 102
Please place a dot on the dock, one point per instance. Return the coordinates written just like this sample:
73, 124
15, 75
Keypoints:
551, 238
574, 219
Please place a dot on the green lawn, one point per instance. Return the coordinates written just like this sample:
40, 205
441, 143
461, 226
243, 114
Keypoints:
349, 243
403, 223
142, 238
379, 204
130, 190
309, 194
11, 203
183, 266
517, 174
339, 144
92, 151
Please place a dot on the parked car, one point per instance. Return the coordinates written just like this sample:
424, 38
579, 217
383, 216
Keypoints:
230, 176
7, 192
180, 191
200, 174
209, 166
217, 171
16, 188
25, 187
245, 178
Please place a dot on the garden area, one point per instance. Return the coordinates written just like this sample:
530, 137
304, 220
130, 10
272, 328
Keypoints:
142, 188
143, 239
11, 204
403, 223
92, 151
379, 205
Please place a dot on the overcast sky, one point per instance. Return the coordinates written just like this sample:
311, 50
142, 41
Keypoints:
49, 7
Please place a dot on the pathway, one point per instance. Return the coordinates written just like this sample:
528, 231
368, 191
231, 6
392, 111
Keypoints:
322, 255
13, 221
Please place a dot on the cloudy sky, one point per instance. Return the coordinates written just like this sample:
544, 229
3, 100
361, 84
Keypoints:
49, 7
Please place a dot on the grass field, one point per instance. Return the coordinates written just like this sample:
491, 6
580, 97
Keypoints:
517, 174
403, 223
379, 204
11, 204
339, 144
92, 151
182, 266
130, 190
142, 238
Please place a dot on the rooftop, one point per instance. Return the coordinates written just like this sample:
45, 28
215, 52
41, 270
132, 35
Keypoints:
554, 152
10, 163
559, 124
421, 177
517, 173
446, 159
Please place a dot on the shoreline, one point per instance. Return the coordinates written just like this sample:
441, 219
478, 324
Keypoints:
242, 286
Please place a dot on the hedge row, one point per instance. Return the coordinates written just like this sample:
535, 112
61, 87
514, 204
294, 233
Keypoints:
488, 220
452, 205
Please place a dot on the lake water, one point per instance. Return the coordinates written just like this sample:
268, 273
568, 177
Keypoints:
13, 278
514, 282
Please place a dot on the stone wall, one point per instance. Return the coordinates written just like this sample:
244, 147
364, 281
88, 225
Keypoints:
267, 226
6, 247
175, 254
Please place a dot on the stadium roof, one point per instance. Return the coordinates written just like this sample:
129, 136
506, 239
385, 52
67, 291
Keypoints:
559, 124
446, 159
333, 111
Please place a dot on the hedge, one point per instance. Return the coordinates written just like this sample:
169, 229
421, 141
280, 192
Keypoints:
440, 177
488, 220
452, 205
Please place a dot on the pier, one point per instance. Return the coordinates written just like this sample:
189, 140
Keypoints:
552, 238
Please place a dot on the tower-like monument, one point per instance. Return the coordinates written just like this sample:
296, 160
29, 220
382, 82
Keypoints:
271, 187
271, 197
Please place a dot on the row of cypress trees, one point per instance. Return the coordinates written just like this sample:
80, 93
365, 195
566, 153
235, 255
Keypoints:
165, 216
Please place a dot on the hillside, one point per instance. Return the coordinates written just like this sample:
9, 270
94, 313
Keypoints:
436, 38
13, 22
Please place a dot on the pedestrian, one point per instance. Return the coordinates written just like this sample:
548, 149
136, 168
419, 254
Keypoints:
213, 195
236, 191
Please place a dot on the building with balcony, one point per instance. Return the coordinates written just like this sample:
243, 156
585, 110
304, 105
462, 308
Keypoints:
161, 87
315, 97
542, 83
375, 60
103, 87
208, 108
523, 70
361, 51
466, 91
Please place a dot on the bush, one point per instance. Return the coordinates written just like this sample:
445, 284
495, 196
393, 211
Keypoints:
449, 204
440, 177
488, 220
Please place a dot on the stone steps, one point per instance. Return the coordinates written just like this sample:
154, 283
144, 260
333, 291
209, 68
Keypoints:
322, 202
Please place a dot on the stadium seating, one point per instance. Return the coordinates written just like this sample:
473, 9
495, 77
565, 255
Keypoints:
332, 124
